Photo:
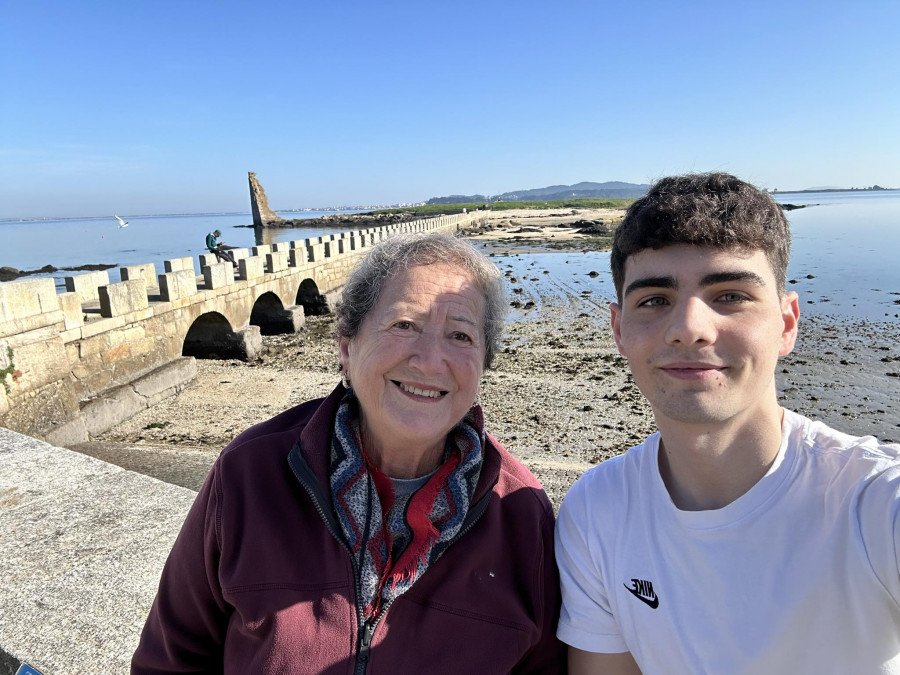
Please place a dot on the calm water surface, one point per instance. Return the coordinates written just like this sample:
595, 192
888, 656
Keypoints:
844, 249
70, 243
847, 243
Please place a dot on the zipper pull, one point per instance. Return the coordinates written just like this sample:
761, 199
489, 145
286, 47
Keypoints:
365, 639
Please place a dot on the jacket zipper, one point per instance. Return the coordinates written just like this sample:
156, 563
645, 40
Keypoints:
311, 484
362, 648
366, 626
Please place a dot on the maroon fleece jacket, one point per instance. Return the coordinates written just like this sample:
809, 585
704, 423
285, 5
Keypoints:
260, 581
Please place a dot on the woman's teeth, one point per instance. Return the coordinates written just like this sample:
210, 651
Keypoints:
420, 392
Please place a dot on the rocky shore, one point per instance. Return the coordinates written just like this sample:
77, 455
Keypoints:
559, 397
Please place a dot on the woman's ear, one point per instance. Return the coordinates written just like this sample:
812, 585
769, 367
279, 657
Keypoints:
344, 353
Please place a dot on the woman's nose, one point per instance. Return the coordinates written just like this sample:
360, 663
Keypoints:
427, 354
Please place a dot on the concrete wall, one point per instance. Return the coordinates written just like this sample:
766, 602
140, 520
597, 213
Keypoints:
74, 364
82, 545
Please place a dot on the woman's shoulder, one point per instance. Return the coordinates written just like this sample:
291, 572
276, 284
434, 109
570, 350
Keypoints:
276, 433
515, 476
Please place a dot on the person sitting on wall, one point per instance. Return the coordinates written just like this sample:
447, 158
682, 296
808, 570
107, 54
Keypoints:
218, 248
741, 537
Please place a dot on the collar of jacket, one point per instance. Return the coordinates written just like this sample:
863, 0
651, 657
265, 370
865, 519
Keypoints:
314, 447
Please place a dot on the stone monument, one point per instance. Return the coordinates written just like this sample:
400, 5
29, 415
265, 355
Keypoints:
259, 205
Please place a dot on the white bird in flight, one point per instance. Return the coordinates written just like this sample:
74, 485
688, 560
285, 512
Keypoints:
122, 223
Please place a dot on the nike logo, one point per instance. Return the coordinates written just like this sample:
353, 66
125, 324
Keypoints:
643, 591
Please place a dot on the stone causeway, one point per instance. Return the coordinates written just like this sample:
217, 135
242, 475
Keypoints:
82, 542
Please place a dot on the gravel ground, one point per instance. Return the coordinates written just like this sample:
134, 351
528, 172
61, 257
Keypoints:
559, 397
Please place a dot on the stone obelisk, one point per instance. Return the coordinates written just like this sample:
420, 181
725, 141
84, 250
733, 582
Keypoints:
259, 204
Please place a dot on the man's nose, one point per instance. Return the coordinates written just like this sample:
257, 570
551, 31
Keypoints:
691, 321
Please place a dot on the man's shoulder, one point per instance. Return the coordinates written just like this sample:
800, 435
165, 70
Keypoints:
613, 481
848, 465
825, 442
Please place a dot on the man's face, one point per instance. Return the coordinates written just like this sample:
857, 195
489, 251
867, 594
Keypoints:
702, 329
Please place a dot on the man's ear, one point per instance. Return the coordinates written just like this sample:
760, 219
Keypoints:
790, 314
615, 319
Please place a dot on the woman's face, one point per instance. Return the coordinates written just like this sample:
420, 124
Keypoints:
416, 363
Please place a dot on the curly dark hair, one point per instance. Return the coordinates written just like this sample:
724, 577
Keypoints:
703, 209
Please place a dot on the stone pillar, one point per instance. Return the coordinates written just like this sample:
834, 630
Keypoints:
276, 261
147, 271
123, 298
259, 204
179, 264
218, 275
297, 257
86, 285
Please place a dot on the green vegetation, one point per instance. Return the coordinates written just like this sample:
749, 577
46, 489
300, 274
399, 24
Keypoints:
444, 209
9, 370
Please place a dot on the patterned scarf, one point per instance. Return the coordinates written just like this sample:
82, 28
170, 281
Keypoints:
392, 551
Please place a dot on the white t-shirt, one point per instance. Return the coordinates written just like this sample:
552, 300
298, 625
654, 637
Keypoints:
801, 574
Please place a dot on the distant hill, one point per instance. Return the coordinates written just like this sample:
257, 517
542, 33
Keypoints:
608, 190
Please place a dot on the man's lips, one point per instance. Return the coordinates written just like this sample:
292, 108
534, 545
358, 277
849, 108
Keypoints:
692, 371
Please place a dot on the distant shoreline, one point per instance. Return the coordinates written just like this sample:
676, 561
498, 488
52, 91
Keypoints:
41, 219
38, 219
802, 192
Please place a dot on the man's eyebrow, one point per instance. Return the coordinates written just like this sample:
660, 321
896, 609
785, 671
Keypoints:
724, 277
651, 282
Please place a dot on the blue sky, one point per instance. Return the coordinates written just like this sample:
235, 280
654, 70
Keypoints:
142, 107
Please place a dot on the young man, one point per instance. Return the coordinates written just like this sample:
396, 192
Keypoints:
742, 537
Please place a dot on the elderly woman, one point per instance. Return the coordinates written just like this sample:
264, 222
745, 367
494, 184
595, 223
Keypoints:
380, 529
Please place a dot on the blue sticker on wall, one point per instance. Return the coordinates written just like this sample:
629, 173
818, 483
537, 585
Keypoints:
25, 669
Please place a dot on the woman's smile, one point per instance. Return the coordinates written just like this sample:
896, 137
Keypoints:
416, 362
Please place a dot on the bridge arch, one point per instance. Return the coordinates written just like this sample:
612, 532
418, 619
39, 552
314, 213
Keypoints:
272, 317
212, 337
311, 299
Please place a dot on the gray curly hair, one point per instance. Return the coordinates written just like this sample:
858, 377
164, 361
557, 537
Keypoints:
395, 255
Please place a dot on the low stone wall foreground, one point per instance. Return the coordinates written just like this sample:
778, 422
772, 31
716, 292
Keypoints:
82, 545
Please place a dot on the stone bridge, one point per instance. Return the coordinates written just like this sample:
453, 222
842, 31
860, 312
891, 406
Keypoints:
74, 364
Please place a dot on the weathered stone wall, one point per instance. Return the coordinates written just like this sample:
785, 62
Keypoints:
76, 363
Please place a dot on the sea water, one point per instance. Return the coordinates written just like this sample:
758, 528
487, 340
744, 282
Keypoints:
844, 256
32, 244
844, 259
